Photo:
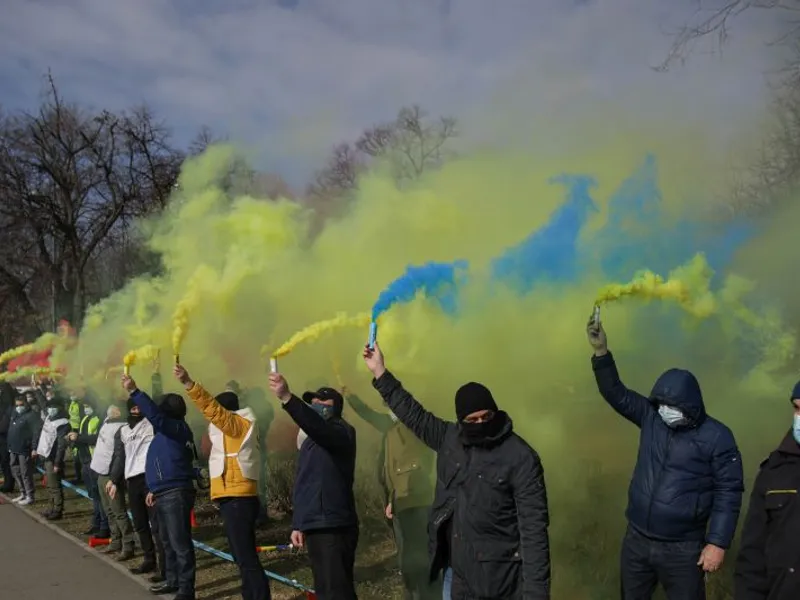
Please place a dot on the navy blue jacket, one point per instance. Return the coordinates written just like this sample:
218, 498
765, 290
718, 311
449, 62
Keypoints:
687, 484
169, 463
323, 485
24, 432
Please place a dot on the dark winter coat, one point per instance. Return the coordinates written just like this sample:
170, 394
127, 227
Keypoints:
687, 484
24, 432
489, 516
768, 564
323, 485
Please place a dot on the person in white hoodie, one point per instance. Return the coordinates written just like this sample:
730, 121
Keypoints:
116, 509
127, 471
52, 446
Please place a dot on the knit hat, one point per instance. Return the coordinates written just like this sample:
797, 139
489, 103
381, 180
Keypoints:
473, 397
173, 406
228, 400
795, 393
326, 393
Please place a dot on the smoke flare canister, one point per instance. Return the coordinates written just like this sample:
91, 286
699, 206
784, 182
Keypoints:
177, 359
596, 314
373, 334
273, 365
126, 369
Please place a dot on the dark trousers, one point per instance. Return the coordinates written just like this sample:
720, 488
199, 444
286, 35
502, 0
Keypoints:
411, 537
239, 516
5, 466
332, 553
174, 509
54, 486
645, 563
152, 549
99, 518
78, 467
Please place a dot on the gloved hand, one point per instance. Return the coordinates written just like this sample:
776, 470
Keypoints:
597, 337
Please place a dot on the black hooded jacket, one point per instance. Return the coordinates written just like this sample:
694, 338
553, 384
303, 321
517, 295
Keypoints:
489, 516
687, 484
23, 432
768, 564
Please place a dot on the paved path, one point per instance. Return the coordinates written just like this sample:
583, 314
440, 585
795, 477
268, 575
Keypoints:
38, 563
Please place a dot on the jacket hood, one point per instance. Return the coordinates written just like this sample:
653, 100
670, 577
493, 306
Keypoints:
173, 406
680, 389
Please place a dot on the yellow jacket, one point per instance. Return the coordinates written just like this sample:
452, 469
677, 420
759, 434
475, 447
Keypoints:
234, 427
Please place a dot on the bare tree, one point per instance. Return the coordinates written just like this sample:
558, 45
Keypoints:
71, 181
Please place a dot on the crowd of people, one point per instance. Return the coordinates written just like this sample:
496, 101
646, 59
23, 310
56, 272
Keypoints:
471, 490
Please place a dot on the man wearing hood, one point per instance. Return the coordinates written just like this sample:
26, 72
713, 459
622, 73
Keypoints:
84, 439
127, 472
686, 491
52, 447
405, 465
488, 523
233, 465
768, 564
324, 517
169, 474
116, 508
23, 430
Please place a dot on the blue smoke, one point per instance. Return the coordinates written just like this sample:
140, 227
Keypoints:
438, 281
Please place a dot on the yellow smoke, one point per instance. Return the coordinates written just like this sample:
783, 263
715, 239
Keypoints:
43, 342
148, 353
315, 330
28, 372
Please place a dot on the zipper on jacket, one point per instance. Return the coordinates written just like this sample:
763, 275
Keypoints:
658, 481
158, 470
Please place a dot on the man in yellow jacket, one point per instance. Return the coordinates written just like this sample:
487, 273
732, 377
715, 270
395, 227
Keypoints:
234, 469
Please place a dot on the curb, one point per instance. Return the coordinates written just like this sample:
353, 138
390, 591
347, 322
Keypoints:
4, 499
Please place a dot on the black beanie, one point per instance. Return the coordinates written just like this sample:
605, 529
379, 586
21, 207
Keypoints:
795, 393
228, 400
131, 404
473, 397
173, 406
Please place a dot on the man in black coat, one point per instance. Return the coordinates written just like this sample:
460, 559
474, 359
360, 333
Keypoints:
768, 565
324, 515
686, 491
489, 517
7, 396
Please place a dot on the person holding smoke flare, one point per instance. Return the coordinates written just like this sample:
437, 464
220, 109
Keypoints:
768, 564
404, 466
52, 446
324, 517
234, 469
114, 505
169, 474
84, 440
686, 491
489, 519
131, 445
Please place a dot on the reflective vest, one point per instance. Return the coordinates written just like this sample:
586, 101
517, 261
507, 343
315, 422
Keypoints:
248, 456
92, 426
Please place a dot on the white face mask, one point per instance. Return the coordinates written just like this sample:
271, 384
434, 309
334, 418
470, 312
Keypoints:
302, 436
52, 412
88, 411
671, 416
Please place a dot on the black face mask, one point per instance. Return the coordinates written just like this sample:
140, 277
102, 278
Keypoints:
133, 420
477, 433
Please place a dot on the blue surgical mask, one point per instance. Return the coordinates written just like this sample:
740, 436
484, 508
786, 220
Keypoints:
88, 411
326, 412
19, 409
52, 412
671, 416
796, 428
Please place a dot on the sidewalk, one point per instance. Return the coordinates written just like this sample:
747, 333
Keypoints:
39, 563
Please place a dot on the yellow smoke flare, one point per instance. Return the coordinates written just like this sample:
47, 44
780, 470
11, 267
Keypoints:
187, 305
42, 343
143, 354
315, 330
688, 285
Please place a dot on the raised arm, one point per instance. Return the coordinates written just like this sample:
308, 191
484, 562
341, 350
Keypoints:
331, 434
228, 422
530, 495
172, 428
728, 488
380, 421
628, 403
751, 581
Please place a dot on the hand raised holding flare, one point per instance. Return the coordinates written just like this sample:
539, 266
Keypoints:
280, 387
128, 384
373, 358
182, 375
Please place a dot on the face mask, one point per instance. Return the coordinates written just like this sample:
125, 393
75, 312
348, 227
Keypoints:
326, 412
796, 428
52, 412
88, 411
475, 433
393, 417
671, 416
301, 437
133, 420
19, 409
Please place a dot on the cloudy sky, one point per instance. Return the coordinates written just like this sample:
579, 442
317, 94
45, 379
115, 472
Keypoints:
292, 77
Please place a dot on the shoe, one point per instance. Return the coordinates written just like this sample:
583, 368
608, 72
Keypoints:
125, 555
18, 499
26, 502
163, 588
157, 578
144, 568
54, 516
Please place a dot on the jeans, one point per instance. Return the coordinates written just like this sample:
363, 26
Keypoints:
22, 469
117, 513
239, 517
174, 509
152, 547
411, 538
448, 583
646, 562
99, 518
332, 553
